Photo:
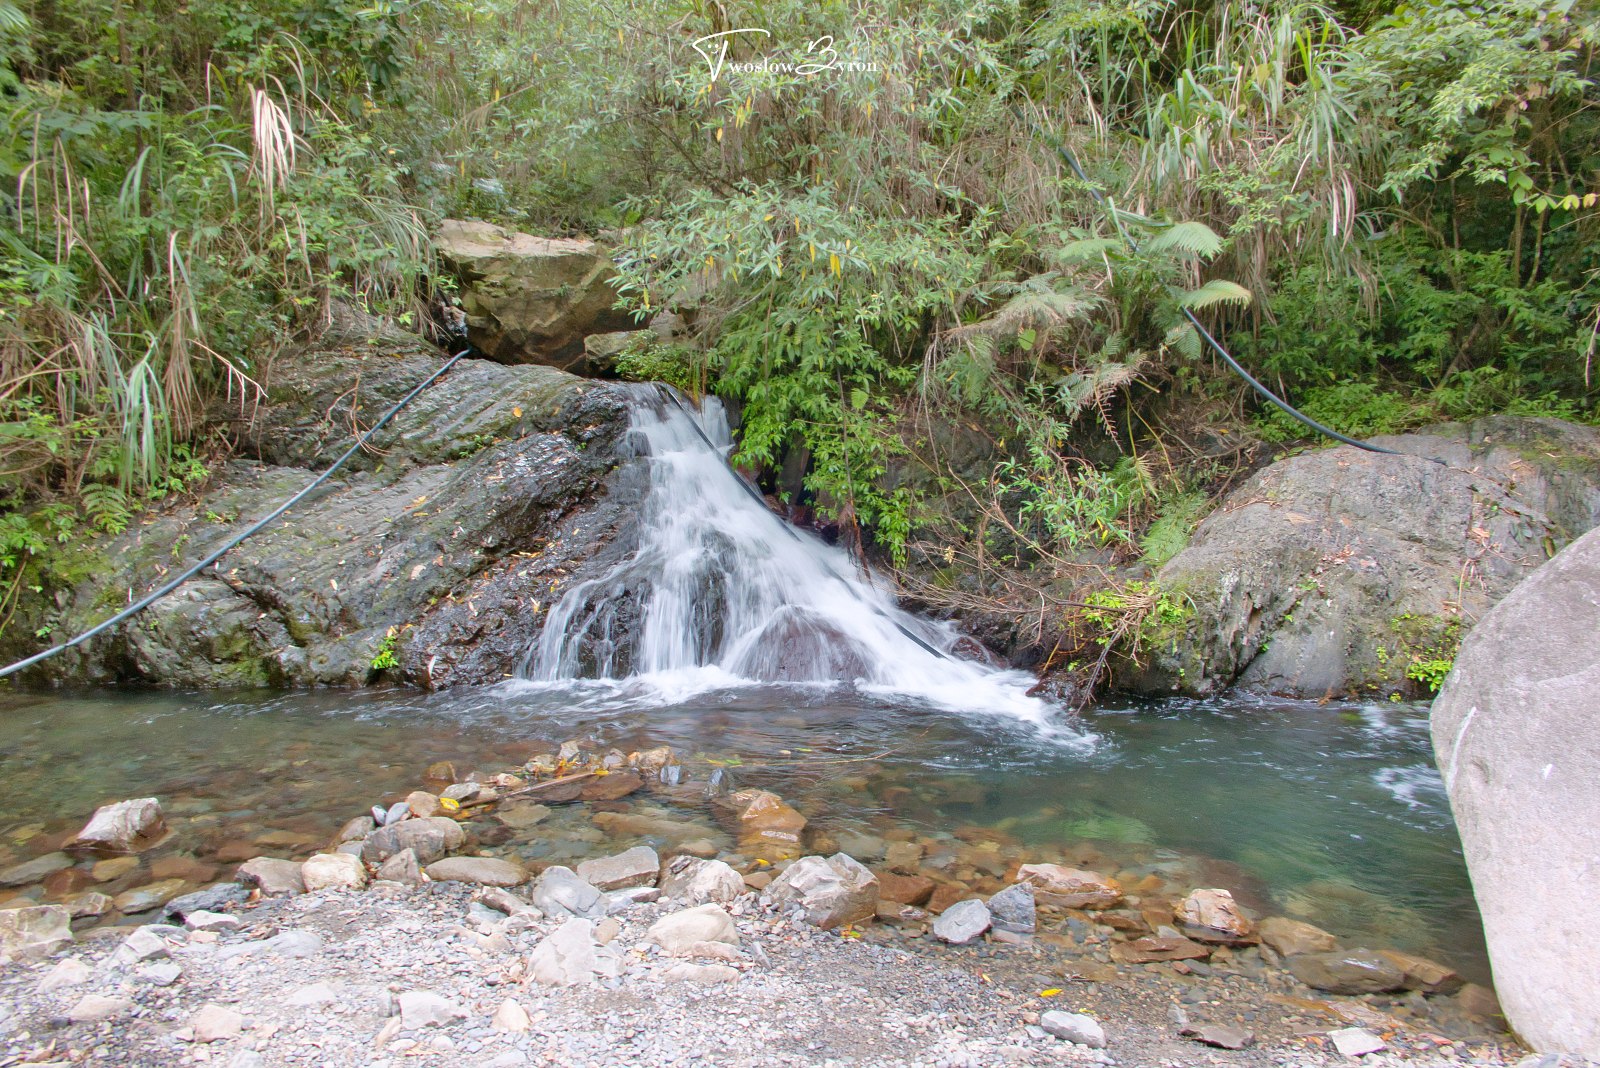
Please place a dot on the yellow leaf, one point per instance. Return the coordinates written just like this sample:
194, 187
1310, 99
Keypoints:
449, 804
517, 412
1052, 992
719, 133
833, 262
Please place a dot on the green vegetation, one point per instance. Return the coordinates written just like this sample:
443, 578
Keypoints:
860, 213
1425, 648
386, 656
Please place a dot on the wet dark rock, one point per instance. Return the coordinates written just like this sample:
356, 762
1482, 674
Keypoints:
35, 870
1298, 575
488, 462
1356, 971
213, 898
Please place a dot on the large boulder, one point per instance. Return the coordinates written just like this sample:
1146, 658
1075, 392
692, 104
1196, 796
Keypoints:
491, 486
828, 892
531, 299
1340, 570
1516, 731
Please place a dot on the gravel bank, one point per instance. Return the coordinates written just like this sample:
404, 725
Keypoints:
333, 979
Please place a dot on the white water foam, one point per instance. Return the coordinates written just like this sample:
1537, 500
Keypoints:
722, 594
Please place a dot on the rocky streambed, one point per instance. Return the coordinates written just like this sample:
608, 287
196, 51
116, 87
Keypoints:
703, 924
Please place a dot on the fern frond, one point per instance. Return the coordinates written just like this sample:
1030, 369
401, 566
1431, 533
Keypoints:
1216, 291
1190, 238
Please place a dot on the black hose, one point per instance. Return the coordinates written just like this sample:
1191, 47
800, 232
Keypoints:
254, 528
1216, 346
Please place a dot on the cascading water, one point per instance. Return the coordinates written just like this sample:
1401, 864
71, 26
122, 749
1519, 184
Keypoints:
722, 593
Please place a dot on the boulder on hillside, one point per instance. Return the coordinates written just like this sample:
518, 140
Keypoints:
486, 465
1516, 734
1338, 570
531, 299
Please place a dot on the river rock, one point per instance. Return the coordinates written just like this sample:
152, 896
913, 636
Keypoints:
1423, 974
1213, 916
402, 868
149, 896
67, 973
678, 932
829, 892
355, 829
333, 871
125, 827
104, 871
763, 816
611, 786
213, 898
35, 870
1070, 888
272, 876
903, 889
423, 804
216, 1023
530, 299
97, 1008
489, 871
1074, 1027
1514, 734
424, 1008
150, 942
1355, 1041
1291, 937
639, 866
201, 920
1297, 576
696, 881
1153, 948
511, 1017
560, 892
521, 815
1012, 909
963, 922
1356, 971
572, 956
33, 932
430, 839
1222, 1036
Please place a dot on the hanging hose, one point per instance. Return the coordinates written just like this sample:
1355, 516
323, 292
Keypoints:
217, 554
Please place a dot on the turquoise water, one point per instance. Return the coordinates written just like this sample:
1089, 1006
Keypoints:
1332, 813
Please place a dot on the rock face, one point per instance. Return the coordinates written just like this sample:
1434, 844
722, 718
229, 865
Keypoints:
1514, 733
1324, 572
531, 299
488, 462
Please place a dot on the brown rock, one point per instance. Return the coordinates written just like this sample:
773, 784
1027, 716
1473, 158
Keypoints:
440, 771
1071, 888
1125, 920
104, 871
1479, 1000
1158, 948
422, 804
893, 912
1358, 971
764, 815
904, 889
1292, 937
183, 866
611, 786
1213, 916
1425, 975
903, 857
947, 894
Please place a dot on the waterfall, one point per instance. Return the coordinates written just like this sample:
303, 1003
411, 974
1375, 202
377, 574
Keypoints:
722, 593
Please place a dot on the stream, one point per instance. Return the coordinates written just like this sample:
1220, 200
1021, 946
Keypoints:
1331, 813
